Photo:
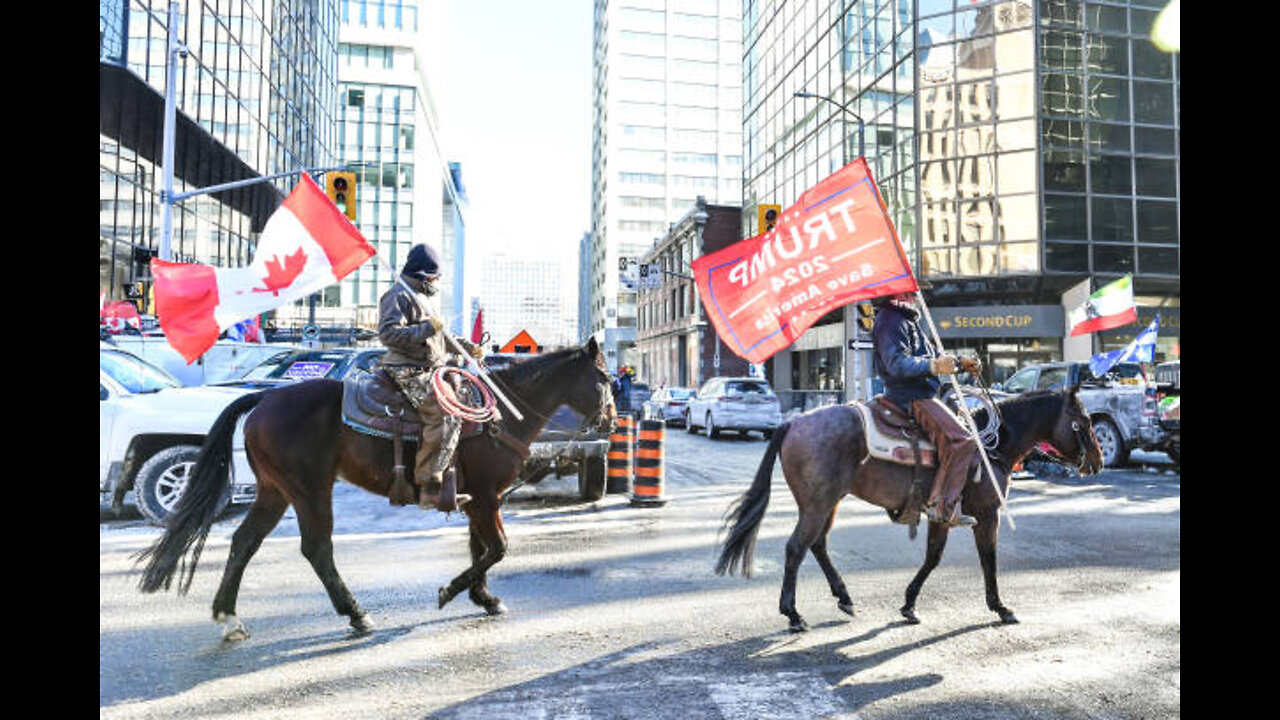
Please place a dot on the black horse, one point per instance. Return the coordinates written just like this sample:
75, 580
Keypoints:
824, 458
297, 445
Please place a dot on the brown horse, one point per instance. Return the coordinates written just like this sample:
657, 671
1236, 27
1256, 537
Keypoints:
824, 458
297, 445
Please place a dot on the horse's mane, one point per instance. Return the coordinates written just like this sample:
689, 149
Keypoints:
533, 371
1019, 408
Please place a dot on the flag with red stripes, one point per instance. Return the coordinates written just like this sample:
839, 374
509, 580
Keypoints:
307, 245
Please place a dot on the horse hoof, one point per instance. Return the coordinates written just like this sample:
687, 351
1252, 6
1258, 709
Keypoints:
443, 596
799, 626
362, 624
233, 630
910, 615
1007, 617
846, 607
497, 608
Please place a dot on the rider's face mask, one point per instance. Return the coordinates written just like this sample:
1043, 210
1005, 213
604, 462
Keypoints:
426, 283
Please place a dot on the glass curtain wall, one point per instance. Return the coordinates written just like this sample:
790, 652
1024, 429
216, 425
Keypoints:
1111, 131
977, 139
259, 78
378, 131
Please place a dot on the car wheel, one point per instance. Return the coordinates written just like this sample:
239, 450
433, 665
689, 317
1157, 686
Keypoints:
592, 478
712, 430
163, 478
1111, 442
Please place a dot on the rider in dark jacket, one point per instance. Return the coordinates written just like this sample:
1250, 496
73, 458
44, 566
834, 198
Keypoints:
910, 366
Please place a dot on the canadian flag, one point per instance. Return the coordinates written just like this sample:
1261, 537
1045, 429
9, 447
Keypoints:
307, 245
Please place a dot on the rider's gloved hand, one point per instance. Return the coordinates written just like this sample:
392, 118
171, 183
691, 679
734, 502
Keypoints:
436, 322
943, 365
477, 352
971, 365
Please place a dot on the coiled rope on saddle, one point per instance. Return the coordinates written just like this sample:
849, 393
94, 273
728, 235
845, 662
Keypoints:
990, 433
483, 412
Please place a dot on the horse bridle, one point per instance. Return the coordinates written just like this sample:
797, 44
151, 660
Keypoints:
1081, 445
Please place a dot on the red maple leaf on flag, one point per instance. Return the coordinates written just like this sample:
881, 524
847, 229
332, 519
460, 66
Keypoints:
281, 275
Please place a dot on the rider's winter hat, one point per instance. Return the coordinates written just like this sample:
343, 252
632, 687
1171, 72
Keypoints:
422, 261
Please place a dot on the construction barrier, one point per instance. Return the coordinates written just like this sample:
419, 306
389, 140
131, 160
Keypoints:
618, 478
647, 488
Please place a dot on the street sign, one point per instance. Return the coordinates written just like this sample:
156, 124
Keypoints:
628, 273
650, 276
860, 345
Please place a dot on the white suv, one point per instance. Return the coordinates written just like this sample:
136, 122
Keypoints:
734, 403
150, 432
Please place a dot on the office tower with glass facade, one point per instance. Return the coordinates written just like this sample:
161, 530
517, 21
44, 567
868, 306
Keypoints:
256, 95
390, 59
667, 106
527, 293
1023, 148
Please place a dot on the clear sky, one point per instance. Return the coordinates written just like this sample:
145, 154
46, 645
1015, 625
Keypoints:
518, 118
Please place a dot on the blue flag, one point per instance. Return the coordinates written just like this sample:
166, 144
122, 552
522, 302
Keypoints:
1142, 349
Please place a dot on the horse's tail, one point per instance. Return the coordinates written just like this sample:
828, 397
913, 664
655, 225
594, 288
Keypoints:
747, 512
188, 525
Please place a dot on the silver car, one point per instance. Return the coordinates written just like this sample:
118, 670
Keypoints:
668, 404
734, 403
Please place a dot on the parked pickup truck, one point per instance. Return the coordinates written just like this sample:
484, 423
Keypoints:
563, 447
1122, 405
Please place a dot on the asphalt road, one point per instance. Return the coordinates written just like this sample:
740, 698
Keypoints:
615, 612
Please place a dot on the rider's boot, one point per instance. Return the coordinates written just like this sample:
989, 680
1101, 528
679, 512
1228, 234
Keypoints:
440, 489
944, 503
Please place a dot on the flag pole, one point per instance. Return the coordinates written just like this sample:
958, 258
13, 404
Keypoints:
970, 425
452, 342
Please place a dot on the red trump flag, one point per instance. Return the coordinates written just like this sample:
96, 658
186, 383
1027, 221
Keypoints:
836, 245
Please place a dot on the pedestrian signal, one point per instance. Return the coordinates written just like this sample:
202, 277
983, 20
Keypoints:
341, 189
866, 316
766, 217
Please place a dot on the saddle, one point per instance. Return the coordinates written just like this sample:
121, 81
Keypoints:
372, 403
893, 435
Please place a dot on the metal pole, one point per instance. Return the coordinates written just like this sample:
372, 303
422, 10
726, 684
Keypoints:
170, 112
964, 412
253, 181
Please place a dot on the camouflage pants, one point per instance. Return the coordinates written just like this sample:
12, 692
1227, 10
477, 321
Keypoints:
440, 430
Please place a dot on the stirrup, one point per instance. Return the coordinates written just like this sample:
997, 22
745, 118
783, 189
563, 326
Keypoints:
447, 499
956, 519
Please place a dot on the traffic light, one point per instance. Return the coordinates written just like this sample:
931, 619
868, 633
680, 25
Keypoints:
341, 189
136, 292
866, 317
766, 217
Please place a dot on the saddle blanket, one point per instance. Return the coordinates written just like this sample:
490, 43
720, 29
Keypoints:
889, 434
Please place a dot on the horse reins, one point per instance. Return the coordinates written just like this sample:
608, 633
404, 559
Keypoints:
583, 428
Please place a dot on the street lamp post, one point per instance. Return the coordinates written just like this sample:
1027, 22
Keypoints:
174, 48
862, 147
855, 385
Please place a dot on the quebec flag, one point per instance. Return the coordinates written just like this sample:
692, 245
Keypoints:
1142, 349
